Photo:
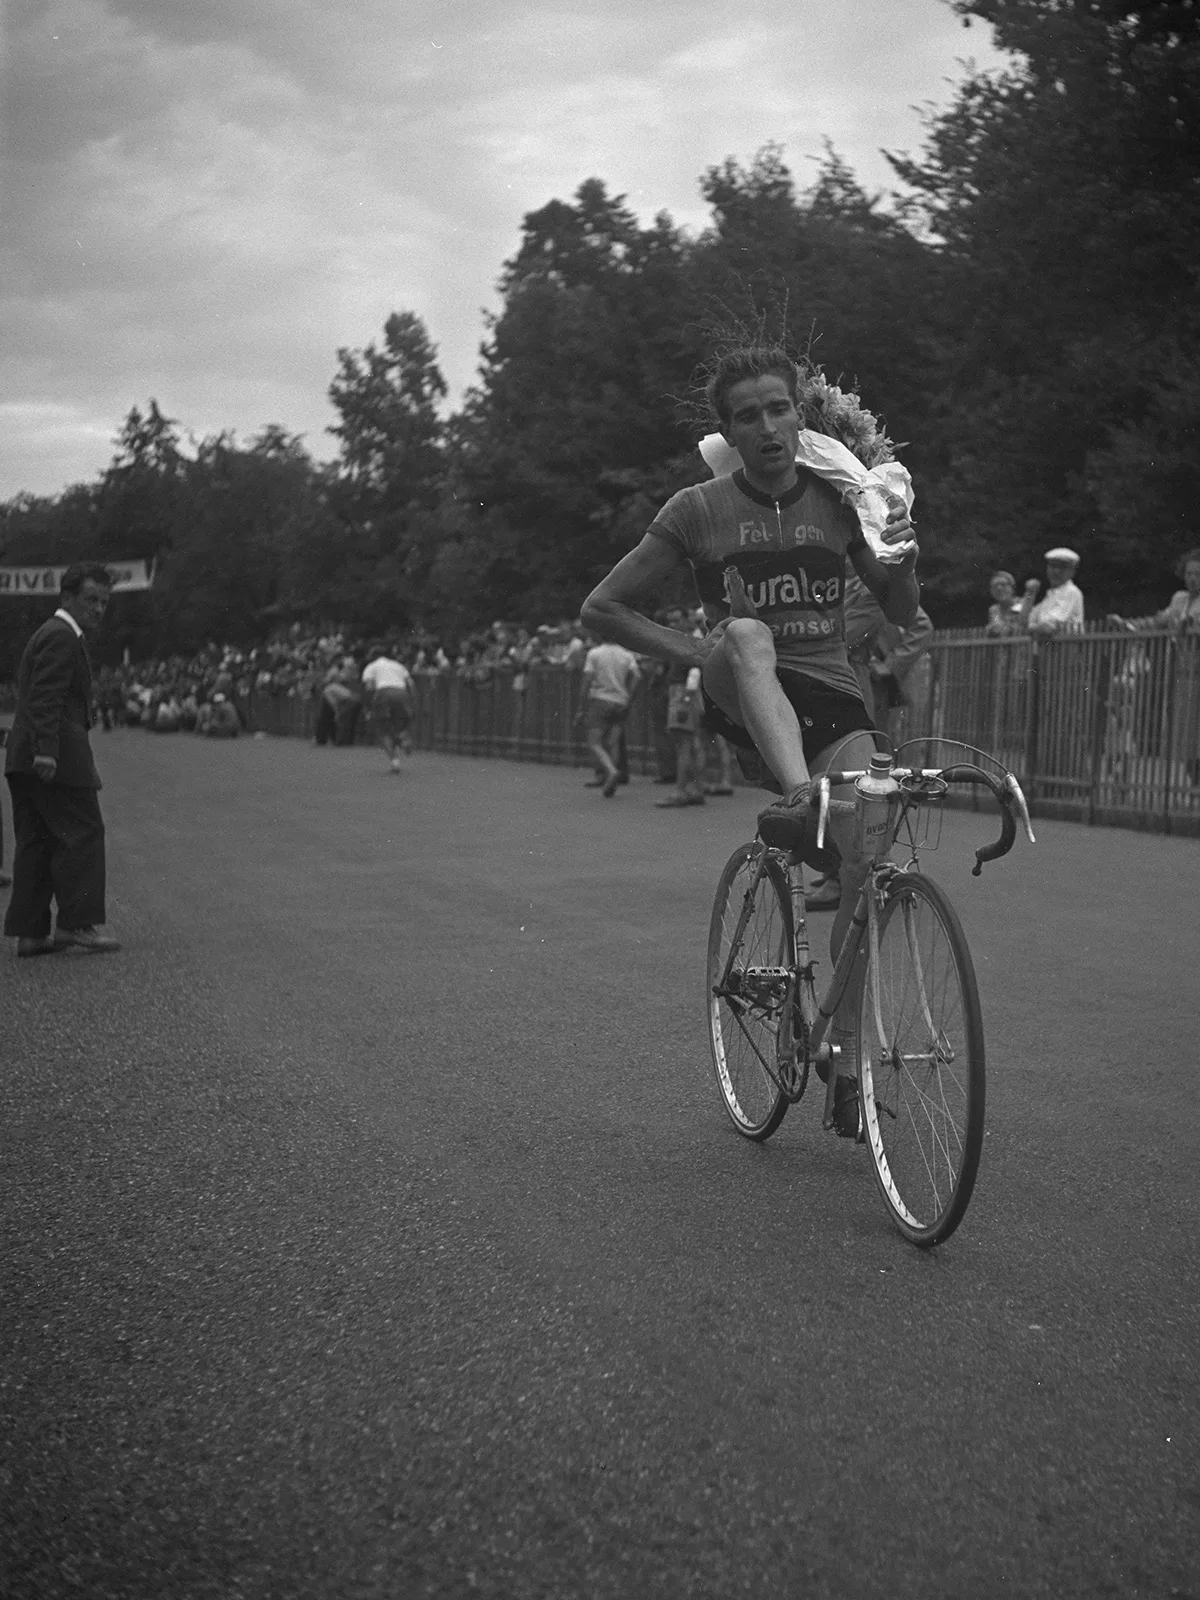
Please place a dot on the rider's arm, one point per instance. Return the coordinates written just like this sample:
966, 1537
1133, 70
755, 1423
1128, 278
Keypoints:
610, 609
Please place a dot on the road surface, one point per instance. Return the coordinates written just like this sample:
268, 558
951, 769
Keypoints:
371, 1225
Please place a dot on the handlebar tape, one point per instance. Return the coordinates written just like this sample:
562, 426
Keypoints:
1008, 825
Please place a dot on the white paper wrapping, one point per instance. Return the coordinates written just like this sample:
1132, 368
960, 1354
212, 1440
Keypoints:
872, 491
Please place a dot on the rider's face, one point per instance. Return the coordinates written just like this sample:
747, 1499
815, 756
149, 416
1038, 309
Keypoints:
765, 427
1191, 577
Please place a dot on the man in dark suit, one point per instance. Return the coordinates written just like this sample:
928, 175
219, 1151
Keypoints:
59, 833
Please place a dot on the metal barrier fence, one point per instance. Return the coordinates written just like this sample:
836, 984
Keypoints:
488, 716
1103, 726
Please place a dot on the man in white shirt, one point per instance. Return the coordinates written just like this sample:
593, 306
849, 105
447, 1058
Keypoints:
388, 686
610, 675
1061, 609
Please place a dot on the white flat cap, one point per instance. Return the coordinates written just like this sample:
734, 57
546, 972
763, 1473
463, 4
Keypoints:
1061, 553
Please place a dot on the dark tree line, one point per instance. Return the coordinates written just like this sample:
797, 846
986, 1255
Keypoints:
1024, 320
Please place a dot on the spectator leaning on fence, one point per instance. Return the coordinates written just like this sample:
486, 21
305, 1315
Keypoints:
1061, 608
1182, 612
1005, 614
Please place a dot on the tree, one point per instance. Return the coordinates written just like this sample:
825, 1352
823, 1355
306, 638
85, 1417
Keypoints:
135, 512
1062, 198
578, 384
390, 430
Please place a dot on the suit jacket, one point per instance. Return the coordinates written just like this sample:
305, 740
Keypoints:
54, 707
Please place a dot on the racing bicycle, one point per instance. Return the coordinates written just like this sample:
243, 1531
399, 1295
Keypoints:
904, 973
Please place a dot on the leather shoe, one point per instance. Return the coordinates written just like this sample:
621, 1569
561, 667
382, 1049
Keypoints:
90, 940
37, 947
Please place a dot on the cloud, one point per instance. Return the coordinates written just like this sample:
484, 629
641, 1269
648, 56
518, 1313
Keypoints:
204, 202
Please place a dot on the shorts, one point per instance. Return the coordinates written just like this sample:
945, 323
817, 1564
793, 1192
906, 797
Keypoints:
391, 711
603, 716
826, 715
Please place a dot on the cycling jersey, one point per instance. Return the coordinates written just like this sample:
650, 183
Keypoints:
791, 554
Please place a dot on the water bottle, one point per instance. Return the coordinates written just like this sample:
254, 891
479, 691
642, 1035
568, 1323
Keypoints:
877, 793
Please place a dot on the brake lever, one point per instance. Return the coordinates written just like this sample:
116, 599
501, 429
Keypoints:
1014, 789
823, 813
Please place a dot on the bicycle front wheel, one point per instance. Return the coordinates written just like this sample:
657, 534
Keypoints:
920, 1061
750, 972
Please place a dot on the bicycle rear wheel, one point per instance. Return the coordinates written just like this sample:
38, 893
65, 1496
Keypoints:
750, 964
920, 1061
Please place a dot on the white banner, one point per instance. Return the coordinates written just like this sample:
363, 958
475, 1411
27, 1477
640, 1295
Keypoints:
24, 583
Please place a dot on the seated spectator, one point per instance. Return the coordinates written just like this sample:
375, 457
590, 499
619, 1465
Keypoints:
167, 715
222, 722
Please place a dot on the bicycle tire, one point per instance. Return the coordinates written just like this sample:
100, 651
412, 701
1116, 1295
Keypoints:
921, 1061
739, 1021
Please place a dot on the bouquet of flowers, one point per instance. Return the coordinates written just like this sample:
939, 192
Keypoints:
840, 415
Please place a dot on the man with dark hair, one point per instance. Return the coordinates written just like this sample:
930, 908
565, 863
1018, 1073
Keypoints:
768, 547
59, 832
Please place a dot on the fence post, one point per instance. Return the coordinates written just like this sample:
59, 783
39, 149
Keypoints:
1101, 687
1032, 713
1169, 668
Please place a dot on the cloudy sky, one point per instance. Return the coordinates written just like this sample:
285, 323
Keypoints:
203, 199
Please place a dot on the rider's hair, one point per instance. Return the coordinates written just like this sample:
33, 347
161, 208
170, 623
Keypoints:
1185, 560
749, 361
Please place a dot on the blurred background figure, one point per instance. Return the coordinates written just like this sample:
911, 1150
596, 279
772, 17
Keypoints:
1061, 608
610, 675
899, 672
1181, 614
1181, 617
684, 710
388, 687
1005, 616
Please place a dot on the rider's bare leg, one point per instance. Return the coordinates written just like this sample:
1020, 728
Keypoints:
740, 677
852, 754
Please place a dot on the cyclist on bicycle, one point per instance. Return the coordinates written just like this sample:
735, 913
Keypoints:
775, 674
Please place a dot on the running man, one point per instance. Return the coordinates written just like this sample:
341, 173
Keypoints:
388, 686
774, 670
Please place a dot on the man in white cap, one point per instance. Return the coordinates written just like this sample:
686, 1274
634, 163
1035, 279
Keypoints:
1061, 608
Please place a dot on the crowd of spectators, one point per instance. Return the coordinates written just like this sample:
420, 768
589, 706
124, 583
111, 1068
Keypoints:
208, 692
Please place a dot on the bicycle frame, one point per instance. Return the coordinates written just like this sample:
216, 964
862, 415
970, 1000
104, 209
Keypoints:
903, 984
788, 1071
816, 1015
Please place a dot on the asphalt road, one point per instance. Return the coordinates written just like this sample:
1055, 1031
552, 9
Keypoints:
371, 1226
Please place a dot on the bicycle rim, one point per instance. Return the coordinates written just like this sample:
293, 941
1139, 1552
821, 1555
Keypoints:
749, 944
921, 1067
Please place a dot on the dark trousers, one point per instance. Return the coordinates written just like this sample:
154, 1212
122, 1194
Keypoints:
326, 726
58, 854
